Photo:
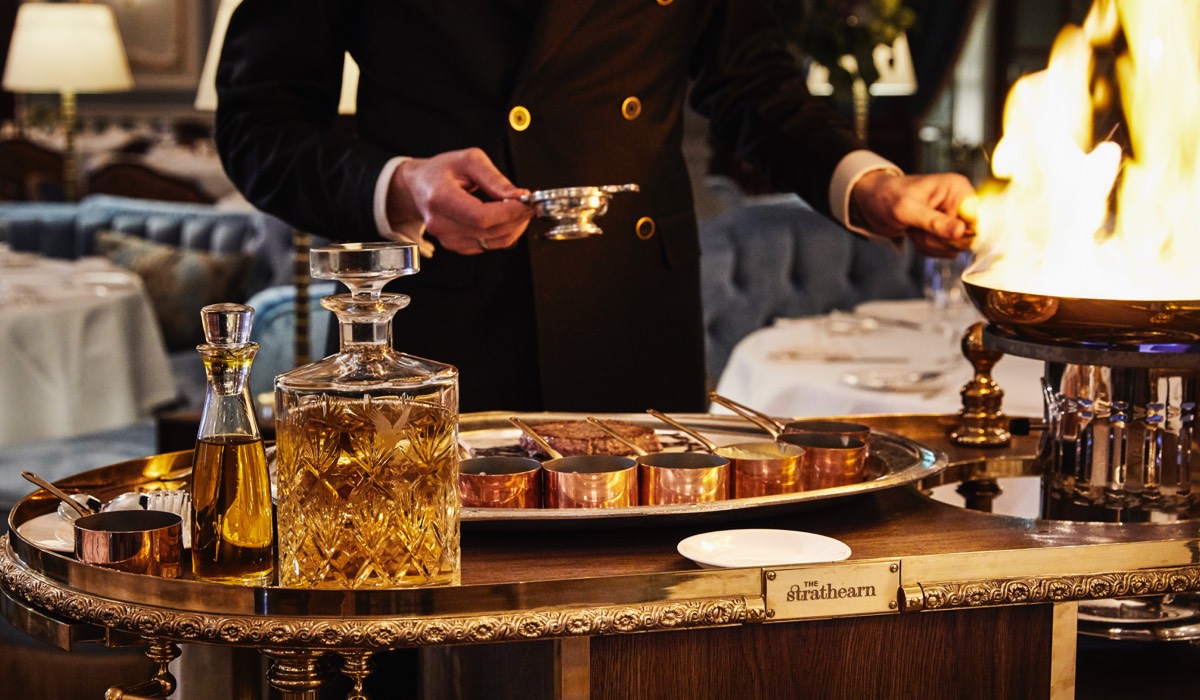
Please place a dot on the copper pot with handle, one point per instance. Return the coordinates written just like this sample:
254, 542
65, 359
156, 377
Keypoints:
777, 429
667, 478
584, 481
759, 468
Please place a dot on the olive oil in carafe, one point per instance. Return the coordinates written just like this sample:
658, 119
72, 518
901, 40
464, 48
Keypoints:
232, 522
233, 539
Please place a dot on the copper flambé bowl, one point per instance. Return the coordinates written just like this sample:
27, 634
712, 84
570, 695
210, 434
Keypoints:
1044, 318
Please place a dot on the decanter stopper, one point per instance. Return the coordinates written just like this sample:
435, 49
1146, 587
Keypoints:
981, 422
227, 324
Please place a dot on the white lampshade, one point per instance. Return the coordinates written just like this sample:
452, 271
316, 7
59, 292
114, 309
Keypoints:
206, 92
66, 47
895, 65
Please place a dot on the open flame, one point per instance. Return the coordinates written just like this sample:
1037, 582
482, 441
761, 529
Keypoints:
1075, 215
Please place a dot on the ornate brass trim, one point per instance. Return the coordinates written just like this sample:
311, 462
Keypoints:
1053, 589
372, 633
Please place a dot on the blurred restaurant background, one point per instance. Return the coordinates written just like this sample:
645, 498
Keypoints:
132, 158
965, 55
106, 142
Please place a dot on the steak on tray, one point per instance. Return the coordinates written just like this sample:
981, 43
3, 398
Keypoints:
577, 437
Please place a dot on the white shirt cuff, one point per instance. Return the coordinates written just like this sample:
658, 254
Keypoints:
411, 233
846, 175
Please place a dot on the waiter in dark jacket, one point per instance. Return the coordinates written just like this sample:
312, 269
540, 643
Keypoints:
460, 99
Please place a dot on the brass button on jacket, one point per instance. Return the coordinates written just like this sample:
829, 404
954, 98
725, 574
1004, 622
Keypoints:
631, 108
519, 118
645, 228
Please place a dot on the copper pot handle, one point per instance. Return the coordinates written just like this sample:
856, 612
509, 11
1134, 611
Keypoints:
637, 450
762, 420
541, 441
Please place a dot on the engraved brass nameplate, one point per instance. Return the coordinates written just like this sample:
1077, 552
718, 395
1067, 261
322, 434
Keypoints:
803, 592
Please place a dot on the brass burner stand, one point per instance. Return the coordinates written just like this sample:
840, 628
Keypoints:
981, 422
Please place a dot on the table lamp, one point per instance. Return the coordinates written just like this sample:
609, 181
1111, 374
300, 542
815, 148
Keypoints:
206, 92
897, 77
66, 48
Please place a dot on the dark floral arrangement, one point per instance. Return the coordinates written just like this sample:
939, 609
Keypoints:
826, 30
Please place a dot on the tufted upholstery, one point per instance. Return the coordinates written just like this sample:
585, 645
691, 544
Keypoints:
69, 230
774, 257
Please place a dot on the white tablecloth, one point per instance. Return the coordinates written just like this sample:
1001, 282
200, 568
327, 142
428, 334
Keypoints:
824, 366
80, 349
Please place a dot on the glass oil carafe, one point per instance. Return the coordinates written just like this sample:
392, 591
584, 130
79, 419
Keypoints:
232, 533
366, 443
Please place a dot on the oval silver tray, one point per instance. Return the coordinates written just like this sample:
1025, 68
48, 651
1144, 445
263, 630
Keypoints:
894, 461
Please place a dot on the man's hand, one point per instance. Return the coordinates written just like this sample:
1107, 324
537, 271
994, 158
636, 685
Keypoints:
923, 207
438, 191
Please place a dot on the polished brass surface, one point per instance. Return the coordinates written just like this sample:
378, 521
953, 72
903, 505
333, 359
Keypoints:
981, 422
162, 652
645, 228
357, 665
1042, 317
380, 632
1059, 588
832, 590
59, 632
631, 108
1164, 562
1063, 651
1049, 562
519, 118
296, 674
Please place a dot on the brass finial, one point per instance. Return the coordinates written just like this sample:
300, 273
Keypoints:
981, 422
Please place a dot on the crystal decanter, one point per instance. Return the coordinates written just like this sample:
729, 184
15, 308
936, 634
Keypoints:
366, 443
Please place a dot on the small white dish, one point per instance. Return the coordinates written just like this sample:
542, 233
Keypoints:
842, 323
104, 278
761, 547
87, 500
50, 531
915, 381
